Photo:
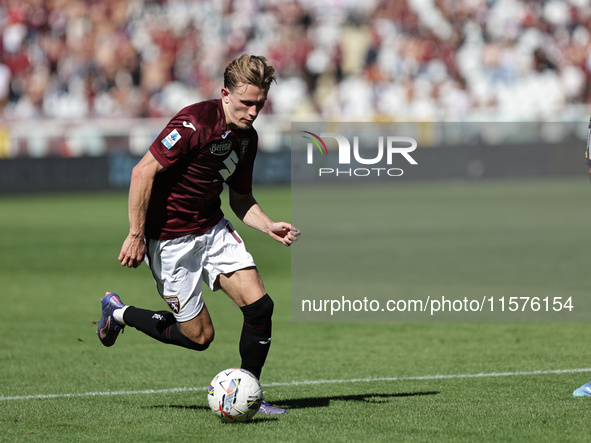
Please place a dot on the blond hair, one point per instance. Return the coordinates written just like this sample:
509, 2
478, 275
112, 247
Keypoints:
249, 70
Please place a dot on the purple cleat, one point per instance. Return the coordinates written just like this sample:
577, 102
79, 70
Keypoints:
267, 408
108, 328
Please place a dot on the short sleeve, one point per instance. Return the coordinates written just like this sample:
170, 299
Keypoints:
175, 141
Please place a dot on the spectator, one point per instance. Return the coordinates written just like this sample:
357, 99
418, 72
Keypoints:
438, 59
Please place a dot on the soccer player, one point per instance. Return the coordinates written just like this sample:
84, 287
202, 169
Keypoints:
585, 390
588, 159
178, 228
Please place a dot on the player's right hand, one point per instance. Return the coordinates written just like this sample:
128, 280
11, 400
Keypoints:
132, 252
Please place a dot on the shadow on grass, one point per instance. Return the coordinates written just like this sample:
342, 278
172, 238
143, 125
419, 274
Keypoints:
323, 402
317, 402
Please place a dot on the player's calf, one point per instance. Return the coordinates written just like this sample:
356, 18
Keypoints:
255, 339
163, 326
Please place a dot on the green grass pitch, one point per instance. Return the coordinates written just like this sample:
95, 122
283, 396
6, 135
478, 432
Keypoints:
431, 381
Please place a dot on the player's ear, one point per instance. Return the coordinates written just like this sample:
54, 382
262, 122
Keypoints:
226, 95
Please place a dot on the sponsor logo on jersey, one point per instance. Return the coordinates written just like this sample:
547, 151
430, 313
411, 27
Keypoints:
171, 139
220, 148
173, 302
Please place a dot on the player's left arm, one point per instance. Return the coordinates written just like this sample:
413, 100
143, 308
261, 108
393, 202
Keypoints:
248, 210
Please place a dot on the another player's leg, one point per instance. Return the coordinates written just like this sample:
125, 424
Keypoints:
583, 391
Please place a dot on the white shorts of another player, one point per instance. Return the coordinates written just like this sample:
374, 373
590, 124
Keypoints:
180, 266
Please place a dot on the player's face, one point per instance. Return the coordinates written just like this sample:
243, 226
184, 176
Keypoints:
242, 105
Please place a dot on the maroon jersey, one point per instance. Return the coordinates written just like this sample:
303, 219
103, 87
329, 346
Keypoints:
199, 153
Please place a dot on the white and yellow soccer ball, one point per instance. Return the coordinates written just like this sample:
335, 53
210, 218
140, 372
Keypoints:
235, 395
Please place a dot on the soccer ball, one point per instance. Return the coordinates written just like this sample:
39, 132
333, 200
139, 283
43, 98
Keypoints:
235, 395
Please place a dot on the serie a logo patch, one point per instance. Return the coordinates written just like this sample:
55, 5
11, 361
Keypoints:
171, 139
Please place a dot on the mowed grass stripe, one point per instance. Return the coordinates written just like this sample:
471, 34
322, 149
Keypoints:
305, 383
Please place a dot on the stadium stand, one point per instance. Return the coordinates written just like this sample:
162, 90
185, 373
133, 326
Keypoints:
427, 59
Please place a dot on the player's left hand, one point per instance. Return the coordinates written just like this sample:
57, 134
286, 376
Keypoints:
284, 233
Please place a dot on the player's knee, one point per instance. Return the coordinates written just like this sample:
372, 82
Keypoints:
199, 339
259, 312
266, 308
205, 337
202, 345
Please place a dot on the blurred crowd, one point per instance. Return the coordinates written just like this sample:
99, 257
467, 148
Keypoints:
371, 59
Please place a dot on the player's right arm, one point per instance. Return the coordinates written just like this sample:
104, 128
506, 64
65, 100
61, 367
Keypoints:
142, 178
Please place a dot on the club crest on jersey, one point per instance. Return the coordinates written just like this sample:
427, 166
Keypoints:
220, 148
173, 302
171, 139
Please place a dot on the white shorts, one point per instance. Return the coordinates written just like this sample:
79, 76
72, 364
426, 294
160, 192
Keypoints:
180, 265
